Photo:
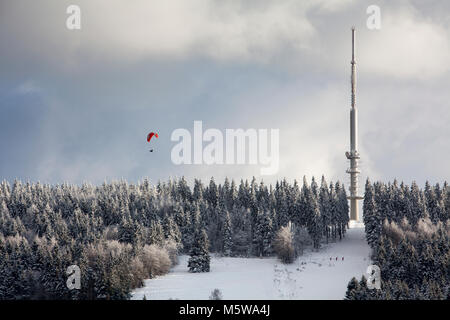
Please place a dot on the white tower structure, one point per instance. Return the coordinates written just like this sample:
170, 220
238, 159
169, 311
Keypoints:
353, 154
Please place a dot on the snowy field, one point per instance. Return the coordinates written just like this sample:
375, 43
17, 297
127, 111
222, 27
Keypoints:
311, 276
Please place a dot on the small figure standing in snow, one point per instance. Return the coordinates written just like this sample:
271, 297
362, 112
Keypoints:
342, 258
336, 258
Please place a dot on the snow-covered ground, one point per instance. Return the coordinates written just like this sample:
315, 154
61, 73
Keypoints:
312, 276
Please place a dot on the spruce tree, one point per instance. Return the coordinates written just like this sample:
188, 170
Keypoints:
315, 228
199, 256
344, 217
334, 211
263, 234
227, 236
372, 221
352, 289
212, 193
324, 207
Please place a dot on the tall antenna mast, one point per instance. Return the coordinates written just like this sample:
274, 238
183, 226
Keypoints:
353, 154
353, 79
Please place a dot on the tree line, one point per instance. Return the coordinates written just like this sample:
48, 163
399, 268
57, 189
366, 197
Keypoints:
120, 233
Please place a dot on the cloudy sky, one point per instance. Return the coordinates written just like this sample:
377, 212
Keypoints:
76, 105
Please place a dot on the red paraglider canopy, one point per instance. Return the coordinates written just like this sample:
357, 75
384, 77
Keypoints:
150, 135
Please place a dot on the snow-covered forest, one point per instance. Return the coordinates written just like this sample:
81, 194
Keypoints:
408, 230
120, 234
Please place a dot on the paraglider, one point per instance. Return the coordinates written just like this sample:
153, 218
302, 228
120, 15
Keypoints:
150, 136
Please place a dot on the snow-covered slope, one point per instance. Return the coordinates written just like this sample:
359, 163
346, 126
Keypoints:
312, 276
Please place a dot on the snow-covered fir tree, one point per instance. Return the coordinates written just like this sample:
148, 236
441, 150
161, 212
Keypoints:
263, 234
227, 236
199, 259
372, 219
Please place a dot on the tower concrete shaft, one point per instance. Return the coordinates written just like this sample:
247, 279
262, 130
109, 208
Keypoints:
353, 154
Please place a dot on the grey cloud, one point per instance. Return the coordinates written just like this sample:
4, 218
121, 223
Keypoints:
77, 105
